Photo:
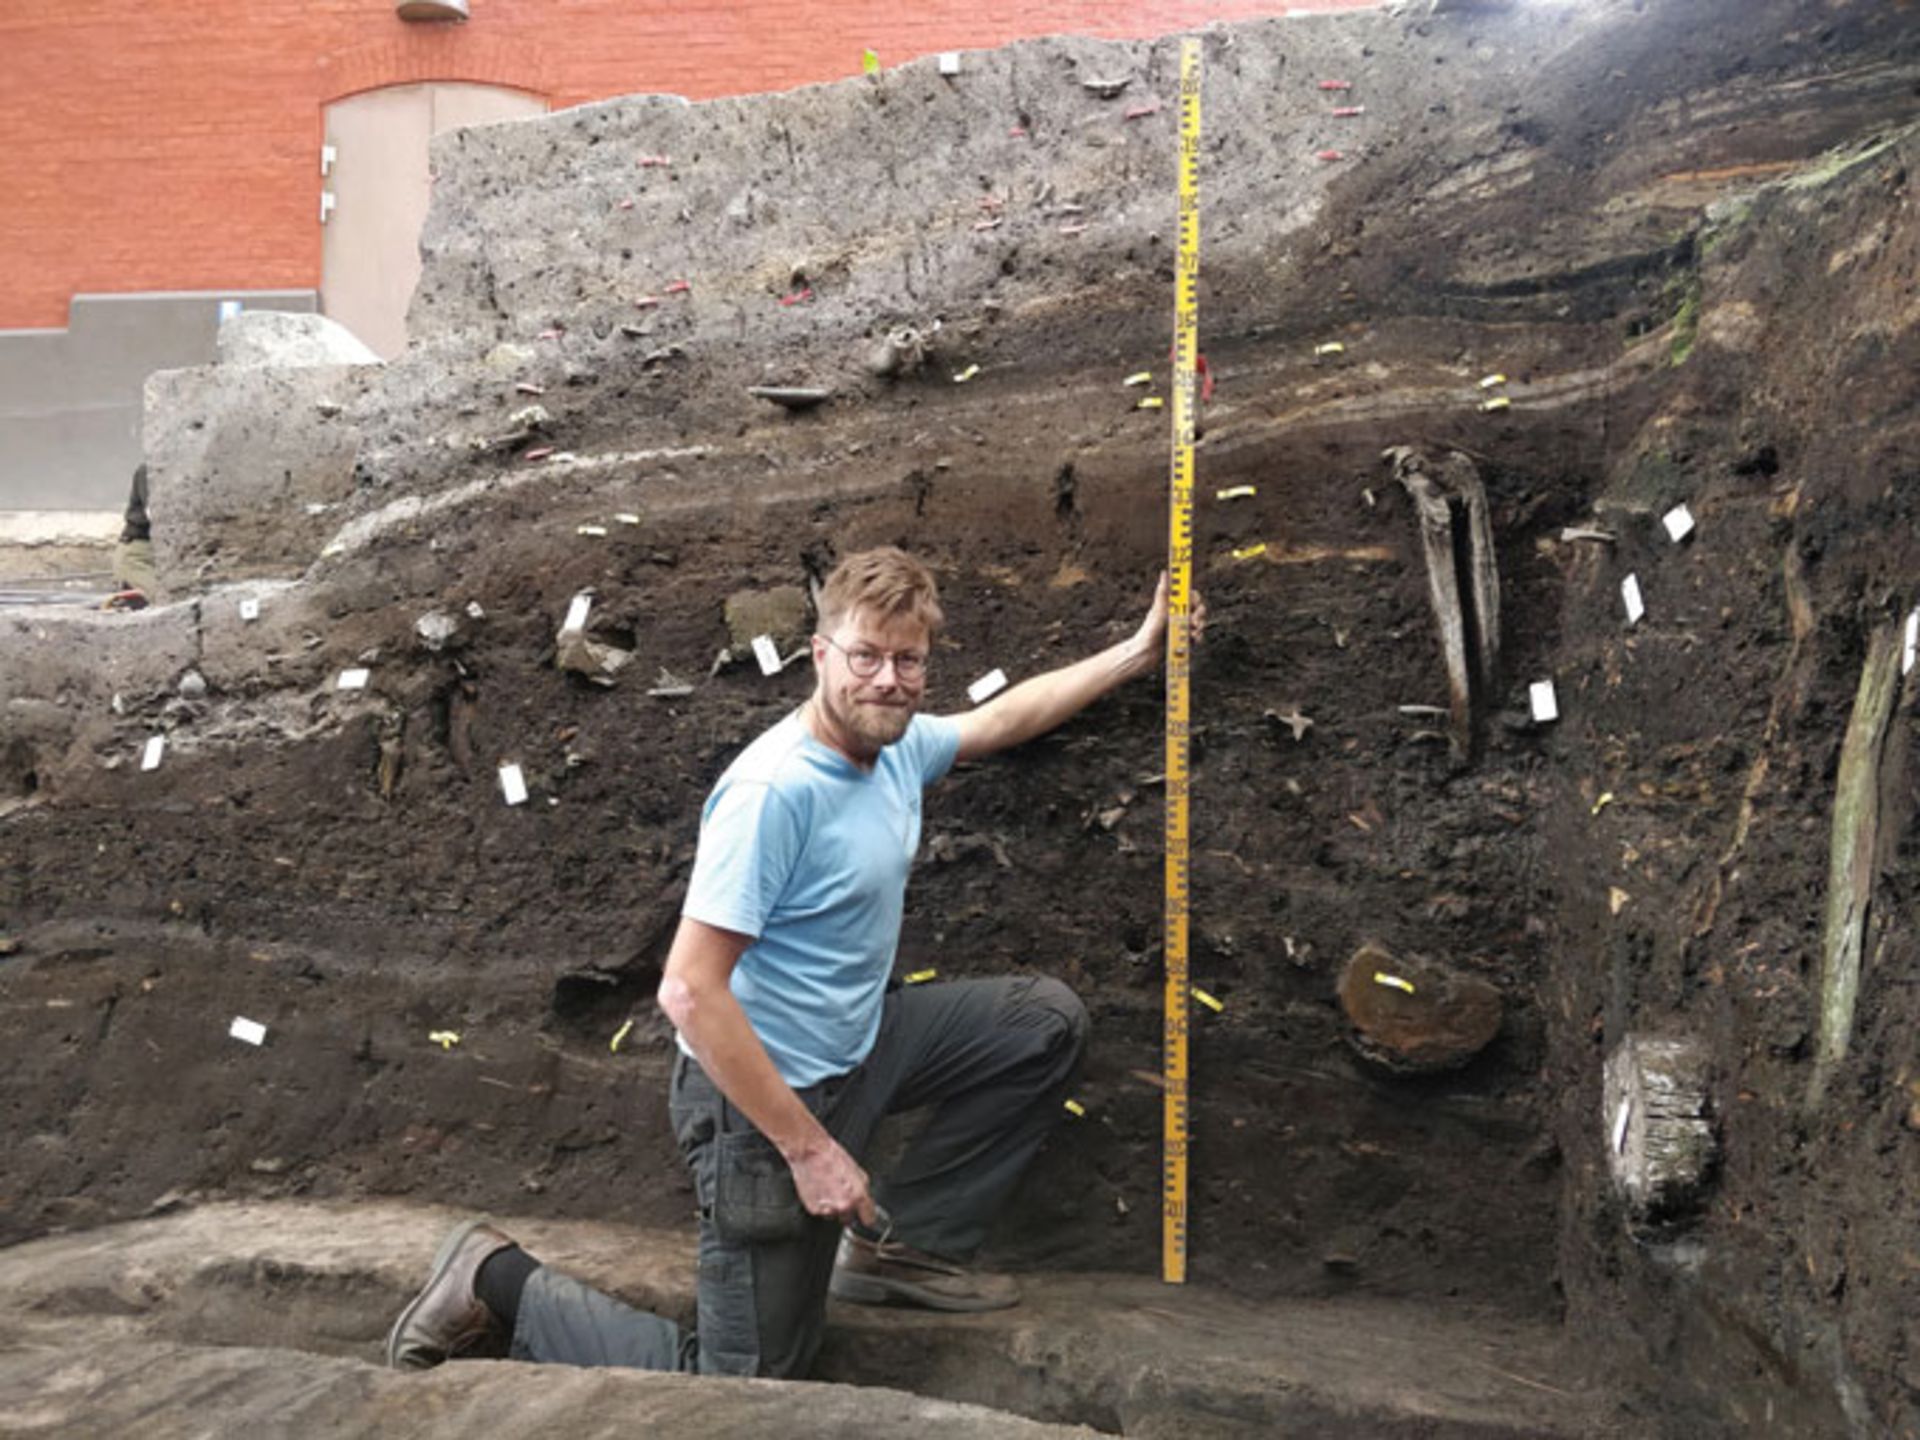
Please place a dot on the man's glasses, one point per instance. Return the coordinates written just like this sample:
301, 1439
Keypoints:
865, 662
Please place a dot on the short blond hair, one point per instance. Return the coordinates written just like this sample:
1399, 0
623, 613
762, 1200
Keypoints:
888, 582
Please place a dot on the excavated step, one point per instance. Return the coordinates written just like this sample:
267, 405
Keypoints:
160, 1391
198, 1308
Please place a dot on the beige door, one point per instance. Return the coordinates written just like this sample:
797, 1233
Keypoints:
370, 246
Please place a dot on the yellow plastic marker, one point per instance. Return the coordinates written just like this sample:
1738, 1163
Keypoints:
1235, 492
869, 62
1393, 982
618, 1036
1176, 1008
595, 530
1499, 402
1152, 402
1332, 347
627, 517
1207, 1000
1074, 1107
1602, 803
445, 1039
1139, 377
1487, 382
1248, 552
920, 977
965, 375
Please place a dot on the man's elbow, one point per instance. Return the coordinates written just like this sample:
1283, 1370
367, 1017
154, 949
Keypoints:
677, 1000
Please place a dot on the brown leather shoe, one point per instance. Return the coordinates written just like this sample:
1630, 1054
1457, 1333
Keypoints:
446, 1318
886, 1272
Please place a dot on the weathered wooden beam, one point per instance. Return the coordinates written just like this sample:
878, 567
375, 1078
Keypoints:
1463, 577
1436, 539
1856, 829
1661, 1149
1483, 573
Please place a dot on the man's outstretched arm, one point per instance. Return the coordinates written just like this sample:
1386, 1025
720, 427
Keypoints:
696, 994
1035, 706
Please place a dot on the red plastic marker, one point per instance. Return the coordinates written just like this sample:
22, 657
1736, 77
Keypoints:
1140, 112
532, 456
1018, 132
797, 296
624, 205
678, 287
554, 334
1347, 112
1199, 369
1328, 155
1336, 84
647, 161
646, 302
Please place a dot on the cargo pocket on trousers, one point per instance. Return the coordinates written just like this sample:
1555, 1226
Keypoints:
753, 1193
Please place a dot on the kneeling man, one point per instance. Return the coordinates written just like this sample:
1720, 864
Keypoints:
792, 1045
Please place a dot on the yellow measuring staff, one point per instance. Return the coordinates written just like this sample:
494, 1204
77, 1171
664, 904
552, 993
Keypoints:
1186, 349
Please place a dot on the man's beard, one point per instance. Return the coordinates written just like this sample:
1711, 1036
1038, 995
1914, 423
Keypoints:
878, 725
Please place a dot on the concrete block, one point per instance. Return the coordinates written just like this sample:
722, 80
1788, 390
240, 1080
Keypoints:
1660, 1143
280, 337
245, 465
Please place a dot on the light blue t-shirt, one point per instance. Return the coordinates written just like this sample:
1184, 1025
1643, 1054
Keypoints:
808, 853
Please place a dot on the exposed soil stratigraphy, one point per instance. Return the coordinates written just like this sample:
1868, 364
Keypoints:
1683, 239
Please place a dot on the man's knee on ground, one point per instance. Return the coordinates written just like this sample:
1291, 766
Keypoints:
1053, 1004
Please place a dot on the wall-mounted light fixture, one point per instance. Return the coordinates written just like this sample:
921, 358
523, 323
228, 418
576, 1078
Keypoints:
431, 9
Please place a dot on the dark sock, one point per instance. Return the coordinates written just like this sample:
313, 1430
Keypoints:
503, 1275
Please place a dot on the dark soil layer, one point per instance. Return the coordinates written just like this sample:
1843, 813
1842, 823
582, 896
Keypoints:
1638, 214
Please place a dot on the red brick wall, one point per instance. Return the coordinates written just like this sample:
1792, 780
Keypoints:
174, 144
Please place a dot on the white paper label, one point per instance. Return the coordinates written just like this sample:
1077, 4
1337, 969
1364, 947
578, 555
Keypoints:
767, 654
251, 1031
1679, 523
1540, 697
473, 609
577, 615
987, 686
1630, 597
1620, 1119
1913, 642
513, 785
150, 757
949, 62
249, 609
354, 679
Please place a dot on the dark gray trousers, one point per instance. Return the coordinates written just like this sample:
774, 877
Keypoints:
993, 1057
